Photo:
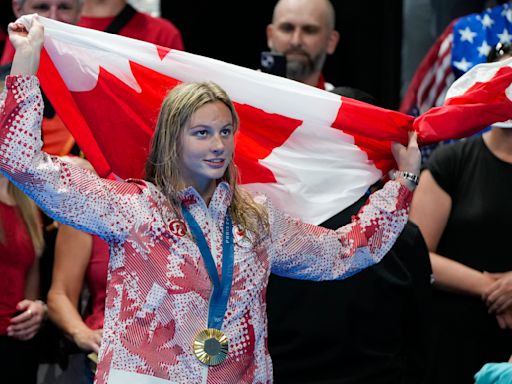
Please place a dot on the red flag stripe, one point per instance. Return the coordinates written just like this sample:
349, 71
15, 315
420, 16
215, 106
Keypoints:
66, 107
437, 51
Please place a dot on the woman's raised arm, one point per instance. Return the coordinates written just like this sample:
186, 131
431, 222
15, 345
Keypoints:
69, 194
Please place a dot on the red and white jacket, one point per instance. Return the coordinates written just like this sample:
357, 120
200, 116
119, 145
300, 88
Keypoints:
158, 288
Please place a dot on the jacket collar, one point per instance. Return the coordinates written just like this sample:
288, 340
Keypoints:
219, 203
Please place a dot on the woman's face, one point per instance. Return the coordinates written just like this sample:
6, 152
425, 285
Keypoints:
207, 145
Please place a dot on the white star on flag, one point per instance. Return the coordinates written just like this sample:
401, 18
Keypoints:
508, 14
463, 65
487, 21
505, 37
467, 34
484, 49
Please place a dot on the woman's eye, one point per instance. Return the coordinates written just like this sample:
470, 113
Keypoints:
226, 132
201, 133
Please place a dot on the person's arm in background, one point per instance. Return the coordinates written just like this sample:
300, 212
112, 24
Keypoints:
430, 210
72, 255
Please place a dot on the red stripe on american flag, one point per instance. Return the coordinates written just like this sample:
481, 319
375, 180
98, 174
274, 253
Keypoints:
427, 70
438, 85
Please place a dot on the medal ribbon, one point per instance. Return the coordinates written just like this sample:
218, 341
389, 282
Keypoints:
221, 289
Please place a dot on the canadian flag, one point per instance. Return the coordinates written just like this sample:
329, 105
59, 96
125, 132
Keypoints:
313, 152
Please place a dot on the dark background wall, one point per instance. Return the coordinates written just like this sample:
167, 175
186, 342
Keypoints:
6, 16
367, 57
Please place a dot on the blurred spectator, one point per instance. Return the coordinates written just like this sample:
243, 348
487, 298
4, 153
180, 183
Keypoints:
117, 16
21, 311
462, 206
114, 16
303, 31
80, 260
56, 137
67, 11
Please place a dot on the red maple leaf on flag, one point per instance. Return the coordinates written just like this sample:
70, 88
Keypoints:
118, 142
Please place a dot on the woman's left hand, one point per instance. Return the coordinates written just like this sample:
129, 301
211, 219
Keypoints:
408, 159
26, 325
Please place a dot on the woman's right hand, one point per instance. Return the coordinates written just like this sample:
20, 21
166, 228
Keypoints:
88, 339
28, 42
23, 38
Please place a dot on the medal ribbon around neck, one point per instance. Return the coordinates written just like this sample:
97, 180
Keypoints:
211, 345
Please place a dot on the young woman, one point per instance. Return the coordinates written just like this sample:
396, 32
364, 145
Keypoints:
190, 251
21, 314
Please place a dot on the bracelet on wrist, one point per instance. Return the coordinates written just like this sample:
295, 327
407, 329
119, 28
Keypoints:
45, 308
409, 176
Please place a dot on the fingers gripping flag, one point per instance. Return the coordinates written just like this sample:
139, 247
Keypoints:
313, 152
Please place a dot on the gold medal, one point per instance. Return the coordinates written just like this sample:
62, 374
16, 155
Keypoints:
211, 346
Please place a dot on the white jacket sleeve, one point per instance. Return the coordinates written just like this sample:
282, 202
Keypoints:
306, 251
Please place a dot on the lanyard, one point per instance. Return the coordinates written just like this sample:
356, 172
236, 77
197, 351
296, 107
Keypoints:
221, 289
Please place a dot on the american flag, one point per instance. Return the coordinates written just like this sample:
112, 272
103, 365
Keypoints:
465, 43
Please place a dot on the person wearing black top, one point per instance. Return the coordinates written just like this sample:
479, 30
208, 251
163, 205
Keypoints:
373, 327
463, 208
